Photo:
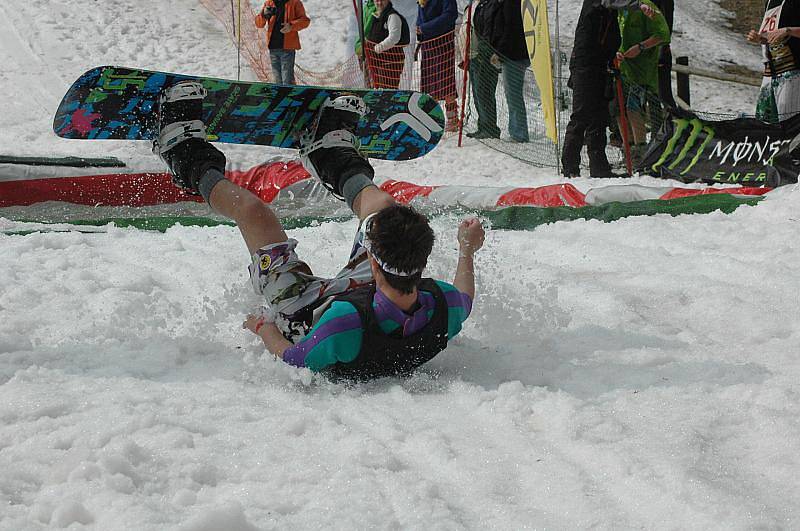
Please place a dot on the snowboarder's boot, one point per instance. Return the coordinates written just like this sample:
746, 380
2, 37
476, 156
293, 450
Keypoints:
181, 141
330, 149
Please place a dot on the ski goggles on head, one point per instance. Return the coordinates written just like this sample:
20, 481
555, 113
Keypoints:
383, 265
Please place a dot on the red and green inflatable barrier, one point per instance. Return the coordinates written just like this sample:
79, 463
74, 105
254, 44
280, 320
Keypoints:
506, 207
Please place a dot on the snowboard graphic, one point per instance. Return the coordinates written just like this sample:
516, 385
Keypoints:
110, 102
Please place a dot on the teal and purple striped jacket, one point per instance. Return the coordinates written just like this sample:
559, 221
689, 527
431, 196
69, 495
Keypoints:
337, 336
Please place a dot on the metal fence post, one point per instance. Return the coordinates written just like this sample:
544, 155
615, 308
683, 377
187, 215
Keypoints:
683, 80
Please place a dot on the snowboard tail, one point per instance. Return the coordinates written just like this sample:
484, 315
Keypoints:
110, 102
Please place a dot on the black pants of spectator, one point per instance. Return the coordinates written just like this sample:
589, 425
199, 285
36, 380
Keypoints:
665, 77
587, 123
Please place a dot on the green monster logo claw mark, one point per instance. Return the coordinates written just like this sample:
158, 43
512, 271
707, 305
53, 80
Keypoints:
681, 124
709, 136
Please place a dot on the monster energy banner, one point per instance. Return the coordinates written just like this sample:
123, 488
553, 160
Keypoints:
744, 151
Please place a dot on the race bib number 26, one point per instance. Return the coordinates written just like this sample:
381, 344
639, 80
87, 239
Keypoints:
771, 19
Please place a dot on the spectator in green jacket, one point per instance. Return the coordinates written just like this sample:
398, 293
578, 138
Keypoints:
642, 36
367, 18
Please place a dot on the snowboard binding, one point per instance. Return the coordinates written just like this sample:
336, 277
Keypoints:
330, 149
181, 142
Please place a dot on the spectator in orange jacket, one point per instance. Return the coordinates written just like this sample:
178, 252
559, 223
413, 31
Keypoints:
289, 16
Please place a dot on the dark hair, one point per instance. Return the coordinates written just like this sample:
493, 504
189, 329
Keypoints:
402, 238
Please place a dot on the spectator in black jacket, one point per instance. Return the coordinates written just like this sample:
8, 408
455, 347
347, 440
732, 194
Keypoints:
597, 40
385, 40
501, 47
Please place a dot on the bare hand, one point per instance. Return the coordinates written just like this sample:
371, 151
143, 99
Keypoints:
631, 53
286, 28
776, 35
262, 316
253, 323
648, 11
419, 30
267, 11
470, 236
756, 37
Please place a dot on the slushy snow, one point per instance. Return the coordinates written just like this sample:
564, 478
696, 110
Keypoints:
635, 374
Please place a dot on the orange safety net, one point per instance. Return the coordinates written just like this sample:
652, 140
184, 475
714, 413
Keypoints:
386, 69
237, 17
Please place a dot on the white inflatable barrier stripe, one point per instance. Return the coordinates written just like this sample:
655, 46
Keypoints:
624, 193
472, 197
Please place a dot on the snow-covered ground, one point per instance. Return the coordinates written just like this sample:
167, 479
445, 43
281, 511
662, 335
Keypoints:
635, 374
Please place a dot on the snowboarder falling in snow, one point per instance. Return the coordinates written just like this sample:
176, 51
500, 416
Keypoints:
379, 316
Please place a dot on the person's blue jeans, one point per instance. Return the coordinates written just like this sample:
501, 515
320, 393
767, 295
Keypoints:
484, 78
514, 79
282, 62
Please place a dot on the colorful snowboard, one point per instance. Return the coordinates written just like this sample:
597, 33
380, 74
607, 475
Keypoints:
110, 102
